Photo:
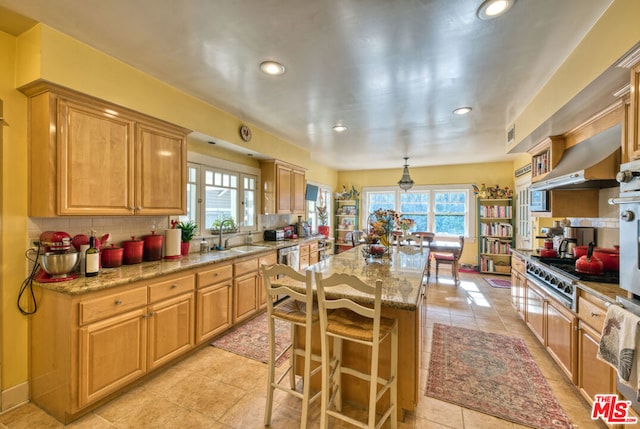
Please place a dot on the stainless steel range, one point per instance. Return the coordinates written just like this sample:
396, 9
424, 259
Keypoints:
559, 276
558, 283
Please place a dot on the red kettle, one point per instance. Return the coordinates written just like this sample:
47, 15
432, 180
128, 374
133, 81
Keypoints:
589, 264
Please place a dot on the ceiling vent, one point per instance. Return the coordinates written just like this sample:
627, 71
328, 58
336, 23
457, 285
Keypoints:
511, 134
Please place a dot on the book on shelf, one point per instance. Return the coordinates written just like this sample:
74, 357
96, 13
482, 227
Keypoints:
496, 211
496, 229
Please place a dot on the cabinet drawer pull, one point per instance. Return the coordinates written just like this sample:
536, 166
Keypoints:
594, 314
144, 316
118, 301
153, 313
173, 286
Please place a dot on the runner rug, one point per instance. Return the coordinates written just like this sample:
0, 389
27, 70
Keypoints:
493, 374
499, 283
252, 341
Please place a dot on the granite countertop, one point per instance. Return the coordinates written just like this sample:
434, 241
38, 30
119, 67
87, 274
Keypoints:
112, 277
402, 276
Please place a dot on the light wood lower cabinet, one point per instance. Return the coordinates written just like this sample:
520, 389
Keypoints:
85, 348
518, 284
214, 302
554, 325
561, 340
245, 296
171, 326
534, 315
112, 353
594, 376
268, 260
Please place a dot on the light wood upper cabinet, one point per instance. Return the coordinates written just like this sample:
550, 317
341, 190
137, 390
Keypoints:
161, 171
545, 156
90, 157
283, 188
633, 140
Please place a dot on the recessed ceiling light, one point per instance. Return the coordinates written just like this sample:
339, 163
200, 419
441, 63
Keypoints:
339, 128
490, 9
272, 68
462, 110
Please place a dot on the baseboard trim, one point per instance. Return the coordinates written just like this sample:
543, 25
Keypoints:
15, 396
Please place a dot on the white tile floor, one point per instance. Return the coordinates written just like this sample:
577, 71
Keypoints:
216, 389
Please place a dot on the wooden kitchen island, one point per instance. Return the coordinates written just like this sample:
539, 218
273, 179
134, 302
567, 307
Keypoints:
402, 298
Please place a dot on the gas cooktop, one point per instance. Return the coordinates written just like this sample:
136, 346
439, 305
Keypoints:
568, 266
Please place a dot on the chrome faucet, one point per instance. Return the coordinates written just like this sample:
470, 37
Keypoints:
220, 237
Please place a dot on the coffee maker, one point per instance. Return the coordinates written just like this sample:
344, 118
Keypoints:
582, 234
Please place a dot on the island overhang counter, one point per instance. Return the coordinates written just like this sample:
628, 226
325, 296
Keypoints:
403, 290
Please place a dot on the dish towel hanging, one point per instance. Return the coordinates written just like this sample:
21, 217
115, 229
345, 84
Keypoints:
619, 342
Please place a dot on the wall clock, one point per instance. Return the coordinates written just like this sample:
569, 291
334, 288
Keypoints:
245, 133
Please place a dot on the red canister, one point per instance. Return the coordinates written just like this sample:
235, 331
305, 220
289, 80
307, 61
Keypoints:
111, 256
152, 247
133, 251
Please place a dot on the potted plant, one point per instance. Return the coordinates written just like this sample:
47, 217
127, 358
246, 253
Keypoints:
323, 217
188, 228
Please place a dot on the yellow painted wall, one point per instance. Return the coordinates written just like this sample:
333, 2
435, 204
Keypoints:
616, 32
14, 218
490, 173
497, 173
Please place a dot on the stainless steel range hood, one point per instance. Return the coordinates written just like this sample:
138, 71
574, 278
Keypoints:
590, 164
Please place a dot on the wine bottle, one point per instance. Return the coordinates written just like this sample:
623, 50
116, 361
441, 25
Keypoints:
92, 259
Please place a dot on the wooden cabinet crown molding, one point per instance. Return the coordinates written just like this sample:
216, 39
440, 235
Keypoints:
41, 86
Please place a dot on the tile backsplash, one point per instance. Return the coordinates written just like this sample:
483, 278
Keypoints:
121, 228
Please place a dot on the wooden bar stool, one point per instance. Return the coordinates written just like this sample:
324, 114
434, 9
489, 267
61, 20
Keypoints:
344, 319
298, 310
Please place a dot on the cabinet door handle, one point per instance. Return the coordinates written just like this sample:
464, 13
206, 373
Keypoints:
118, 301
153, 313
173, 286
139, 208
594, 314
144, 316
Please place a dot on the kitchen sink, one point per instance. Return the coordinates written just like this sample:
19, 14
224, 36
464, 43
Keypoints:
248, 249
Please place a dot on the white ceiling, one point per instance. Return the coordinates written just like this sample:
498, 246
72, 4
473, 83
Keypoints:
392, 71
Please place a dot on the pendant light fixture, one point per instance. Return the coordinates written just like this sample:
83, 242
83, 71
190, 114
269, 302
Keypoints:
405, 182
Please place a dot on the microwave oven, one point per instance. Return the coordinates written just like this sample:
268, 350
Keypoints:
539, 201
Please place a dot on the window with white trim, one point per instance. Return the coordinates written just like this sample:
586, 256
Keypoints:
215, 194
445, 210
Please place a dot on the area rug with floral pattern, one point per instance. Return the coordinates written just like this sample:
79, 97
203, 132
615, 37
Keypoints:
252, 341
493, 374
498, 283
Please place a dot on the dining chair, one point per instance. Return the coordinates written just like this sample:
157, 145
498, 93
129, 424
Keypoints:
343, 319
426, 238
299, 310
450, 258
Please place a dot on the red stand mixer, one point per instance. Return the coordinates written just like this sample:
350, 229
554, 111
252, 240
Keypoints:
57, 261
